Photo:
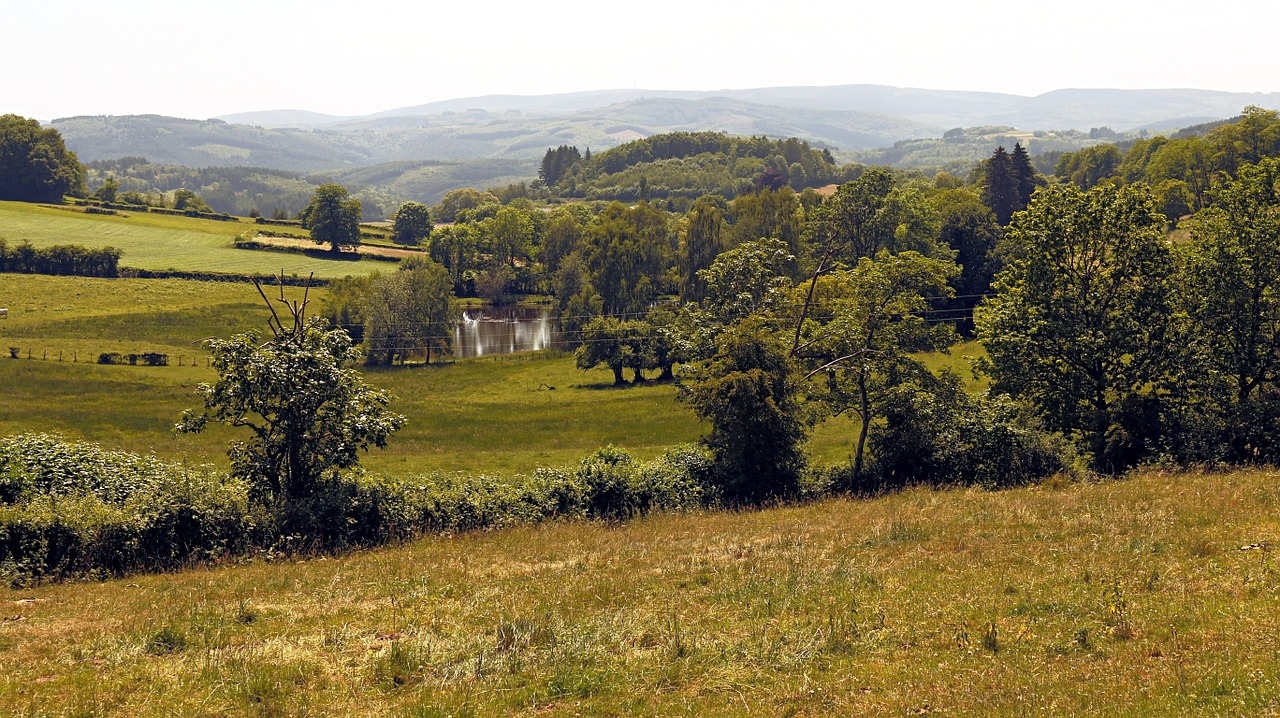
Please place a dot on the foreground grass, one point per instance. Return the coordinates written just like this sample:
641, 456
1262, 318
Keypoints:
1124, 598
162, 242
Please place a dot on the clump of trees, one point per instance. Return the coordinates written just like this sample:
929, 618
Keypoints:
687, 165
1139, 349
35, 164
61, 259
398, 315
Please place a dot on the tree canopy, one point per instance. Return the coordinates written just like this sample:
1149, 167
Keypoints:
1079, 325
333, 216
35, 164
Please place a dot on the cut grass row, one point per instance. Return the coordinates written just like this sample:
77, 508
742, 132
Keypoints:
162, 242
1128, 598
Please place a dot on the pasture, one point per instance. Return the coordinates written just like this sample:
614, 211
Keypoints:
1124, 598
501, 414
162, 242
506, 414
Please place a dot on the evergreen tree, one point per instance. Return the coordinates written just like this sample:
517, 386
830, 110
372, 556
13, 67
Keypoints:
1000, 191
1026, 175
557, 163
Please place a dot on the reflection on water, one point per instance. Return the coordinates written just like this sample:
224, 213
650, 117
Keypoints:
503, 330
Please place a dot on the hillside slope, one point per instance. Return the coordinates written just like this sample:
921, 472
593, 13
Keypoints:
1126, 598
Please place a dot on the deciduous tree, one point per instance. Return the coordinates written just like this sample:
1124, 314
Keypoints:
333, 217
1080, 323
35, 164
412, 224
307, 410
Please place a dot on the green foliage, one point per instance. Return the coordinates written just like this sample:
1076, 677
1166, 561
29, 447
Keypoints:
236, 190
184, 200
70, 509
970, 229
412, 224
940, 435
307, 410
1008, 181
1229, 278
868, 215
627, 250
409, 311
557, 163
333, 217
60, 259
109, 189
700, 243
604, 341
862, 330
459, 200
1080, 327
959, 149
35, 165
1089, 167
748, 279
73, 509
688, 165
749, 392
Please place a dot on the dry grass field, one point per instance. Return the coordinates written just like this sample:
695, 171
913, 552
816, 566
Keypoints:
1125, 598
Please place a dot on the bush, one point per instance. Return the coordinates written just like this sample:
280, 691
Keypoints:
74, 509
943, 435
608, 480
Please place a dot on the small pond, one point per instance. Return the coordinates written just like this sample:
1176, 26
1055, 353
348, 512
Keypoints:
503, 330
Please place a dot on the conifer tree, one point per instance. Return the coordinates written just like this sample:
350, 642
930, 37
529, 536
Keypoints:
1000, 192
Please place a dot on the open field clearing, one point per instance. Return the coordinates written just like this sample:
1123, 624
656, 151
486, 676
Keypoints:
162, 242
1124, 598
477, 415
482, 415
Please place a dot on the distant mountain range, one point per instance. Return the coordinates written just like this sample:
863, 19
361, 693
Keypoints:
849, 117
424, 150
1079, 109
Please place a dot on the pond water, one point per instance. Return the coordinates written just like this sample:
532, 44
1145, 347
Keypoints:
503, 330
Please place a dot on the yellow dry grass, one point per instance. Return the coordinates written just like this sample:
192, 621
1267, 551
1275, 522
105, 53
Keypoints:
1131, 597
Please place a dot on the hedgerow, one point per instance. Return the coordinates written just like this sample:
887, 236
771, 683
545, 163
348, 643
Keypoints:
75, 510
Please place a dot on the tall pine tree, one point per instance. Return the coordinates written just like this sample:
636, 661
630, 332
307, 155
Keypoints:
1000, 191
1028, 180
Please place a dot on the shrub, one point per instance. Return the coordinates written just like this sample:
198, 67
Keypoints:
943, 435
608, 478
74, 509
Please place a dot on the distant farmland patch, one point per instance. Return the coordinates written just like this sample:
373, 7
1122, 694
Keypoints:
159, 243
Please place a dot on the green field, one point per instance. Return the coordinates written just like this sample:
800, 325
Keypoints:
161, 242
500, 414
1126, 598
476, 415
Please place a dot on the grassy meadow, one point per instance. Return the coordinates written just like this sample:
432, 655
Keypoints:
1126, 598
501, 415
162, 242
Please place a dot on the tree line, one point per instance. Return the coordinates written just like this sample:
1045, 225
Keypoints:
62, 259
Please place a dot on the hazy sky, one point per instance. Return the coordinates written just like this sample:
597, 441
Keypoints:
198, 60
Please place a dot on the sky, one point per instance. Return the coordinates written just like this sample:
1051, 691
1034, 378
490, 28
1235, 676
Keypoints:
199, 60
